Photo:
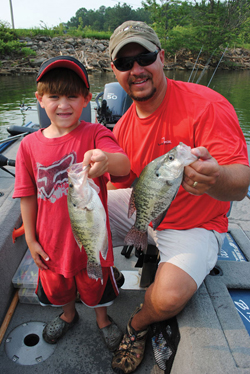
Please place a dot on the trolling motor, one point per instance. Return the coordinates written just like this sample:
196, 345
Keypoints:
4, 161
115, 102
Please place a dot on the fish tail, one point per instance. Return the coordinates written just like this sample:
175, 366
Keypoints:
137, 238
94, 270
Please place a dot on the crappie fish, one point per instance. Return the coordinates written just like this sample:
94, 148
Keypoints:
154, 191
87, 217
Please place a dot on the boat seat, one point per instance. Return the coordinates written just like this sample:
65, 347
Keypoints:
44, 120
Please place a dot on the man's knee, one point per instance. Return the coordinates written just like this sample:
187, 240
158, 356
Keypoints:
170, 301
172, 289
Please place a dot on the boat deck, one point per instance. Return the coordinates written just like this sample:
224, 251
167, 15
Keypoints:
214, 338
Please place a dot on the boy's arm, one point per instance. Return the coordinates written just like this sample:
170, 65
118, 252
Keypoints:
29, 215
116, 164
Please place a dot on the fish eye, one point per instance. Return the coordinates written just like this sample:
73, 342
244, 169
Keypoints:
70, 185
171, 157
157, 174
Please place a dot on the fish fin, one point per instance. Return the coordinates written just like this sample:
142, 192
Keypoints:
77, 240
105, 248
131, 207
158, 220
94, 270
90, 206
134, 182
137, 238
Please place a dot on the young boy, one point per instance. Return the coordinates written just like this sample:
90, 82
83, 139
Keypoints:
42, 184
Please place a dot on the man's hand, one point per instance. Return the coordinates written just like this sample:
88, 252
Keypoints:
222, 182
201, 175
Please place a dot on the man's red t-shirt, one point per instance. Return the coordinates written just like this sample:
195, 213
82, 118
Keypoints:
197, 116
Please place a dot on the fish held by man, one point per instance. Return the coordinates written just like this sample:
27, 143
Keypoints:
87, 217
154, 191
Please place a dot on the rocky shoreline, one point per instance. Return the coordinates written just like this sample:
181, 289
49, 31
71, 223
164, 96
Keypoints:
94, 55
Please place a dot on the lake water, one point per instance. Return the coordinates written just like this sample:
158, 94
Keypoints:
14, 91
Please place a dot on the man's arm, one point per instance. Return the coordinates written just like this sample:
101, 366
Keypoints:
222, 182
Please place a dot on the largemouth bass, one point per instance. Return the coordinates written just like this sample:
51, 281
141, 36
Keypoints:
154, 191
87, 217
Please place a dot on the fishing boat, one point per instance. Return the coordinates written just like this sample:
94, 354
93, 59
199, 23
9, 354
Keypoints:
214, 326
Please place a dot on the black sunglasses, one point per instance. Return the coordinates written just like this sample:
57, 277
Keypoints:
144, 59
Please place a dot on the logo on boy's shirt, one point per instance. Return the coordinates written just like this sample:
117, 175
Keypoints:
52, 180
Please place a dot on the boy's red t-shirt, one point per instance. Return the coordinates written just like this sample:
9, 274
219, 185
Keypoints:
41, 170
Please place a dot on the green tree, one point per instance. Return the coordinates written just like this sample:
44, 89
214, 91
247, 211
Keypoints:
219, 23
107, 19
209, 23
244, 36
168, 19
81, 16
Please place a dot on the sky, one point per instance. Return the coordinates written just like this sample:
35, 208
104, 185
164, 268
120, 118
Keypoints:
29, 13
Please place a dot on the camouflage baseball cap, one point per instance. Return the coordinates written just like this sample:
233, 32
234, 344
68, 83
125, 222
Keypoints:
133, 32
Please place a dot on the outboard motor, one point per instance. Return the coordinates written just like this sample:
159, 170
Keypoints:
115, 102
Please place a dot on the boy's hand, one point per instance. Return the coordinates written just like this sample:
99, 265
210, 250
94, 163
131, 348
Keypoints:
98, 161
37, 252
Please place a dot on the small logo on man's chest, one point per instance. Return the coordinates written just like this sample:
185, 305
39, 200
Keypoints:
163, 141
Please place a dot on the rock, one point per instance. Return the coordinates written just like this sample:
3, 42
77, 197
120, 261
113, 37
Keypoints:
71, 41
36, 62
70, 51
100, 47
29, 44
5, 72
43, 38
95, 55
189, 65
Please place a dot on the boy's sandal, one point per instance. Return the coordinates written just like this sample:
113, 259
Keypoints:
57, 328
112, 335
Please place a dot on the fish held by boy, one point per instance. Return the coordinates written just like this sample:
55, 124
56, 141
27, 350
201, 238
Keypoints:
154, 191
87, 217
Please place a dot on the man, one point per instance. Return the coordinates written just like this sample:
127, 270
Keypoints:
165, 112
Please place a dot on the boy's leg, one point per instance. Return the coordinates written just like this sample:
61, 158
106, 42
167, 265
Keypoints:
109, 330
58, 327
69, 312
53, 289
102, 317
99, 295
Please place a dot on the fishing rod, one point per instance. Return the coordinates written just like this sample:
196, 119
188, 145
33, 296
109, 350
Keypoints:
13, 137
195, 64
217, 67
204, 69
196, 71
